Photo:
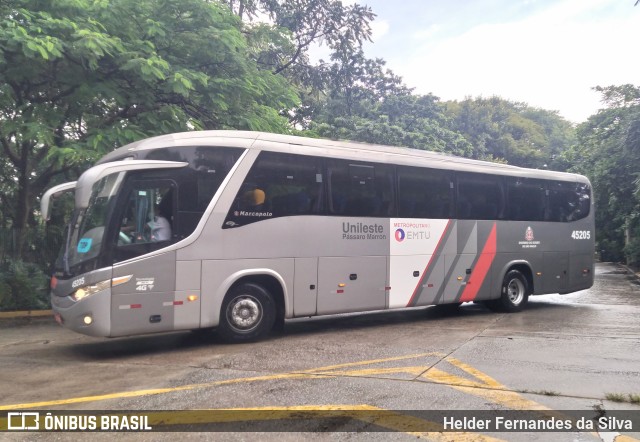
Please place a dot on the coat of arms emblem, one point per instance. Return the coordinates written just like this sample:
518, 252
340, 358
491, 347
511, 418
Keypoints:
528, 235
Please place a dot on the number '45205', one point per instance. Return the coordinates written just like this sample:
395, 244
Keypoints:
581, 234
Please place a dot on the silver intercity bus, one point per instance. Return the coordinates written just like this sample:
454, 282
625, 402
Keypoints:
242, 230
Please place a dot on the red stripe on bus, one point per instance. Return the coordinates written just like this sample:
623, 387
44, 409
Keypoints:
481, 269
135, 306
435, 251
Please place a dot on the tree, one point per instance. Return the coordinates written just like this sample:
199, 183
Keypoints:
608, 152
304, 22
512, 132
364, 101
80, 77
281, 33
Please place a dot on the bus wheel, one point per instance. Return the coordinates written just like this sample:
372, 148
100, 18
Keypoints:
248, 313
514, 293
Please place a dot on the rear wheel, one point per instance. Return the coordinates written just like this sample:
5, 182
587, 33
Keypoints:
248, 313
514, 294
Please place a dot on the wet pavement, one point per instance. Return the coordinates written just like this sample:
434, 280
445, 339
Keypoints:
569, 352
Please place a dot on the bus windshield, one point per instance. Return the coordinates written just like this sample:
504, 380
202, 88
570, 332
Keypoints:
84, 238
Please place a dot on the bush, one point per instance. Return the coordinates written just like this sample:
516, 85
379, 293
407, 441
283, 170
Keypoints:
632, 253
23, 286
610, 251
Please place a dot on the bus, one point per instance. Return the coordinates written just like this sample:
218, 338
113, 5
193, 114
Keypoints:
239, 231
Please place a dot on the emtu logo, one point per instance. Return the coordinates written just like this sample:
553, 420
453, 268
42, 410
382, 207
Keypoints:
400, 235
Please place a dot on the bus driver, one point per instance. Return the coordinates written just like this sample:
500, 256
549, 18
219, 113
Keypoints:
160, 227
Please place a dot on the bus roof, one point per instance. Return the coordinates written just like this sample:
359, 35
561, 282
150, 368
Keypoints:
331, 148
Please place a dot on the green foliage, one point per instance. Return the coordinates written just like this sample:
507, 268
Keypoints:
81, 77
365, 102
282, 46
609, 250
632, 252
23, 286
608, 152
512, 132
630, 398
296, 25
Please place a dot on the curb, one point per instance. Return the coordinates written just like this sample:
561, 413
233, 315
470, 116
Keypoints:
25, 314
630, 271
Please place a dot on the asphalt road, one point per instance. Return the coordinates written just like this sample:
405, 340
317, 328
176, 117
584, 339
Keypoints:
571, 352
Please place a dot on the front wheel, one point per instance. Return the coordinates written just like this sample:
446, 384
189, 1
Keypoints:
514, 293
248, 313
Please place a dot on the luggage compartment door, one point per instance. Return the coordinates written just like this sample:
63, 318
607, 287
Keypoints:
350, 284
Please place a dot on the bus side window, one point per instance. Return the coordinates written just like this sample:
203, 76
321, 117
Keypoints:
278, 185
424, 193
360, 189
525, 199
480, 196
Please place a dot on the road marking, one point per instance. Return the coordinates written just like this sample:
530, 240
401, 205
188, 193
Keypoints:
483, 386
624, 438
305, 374
477, 384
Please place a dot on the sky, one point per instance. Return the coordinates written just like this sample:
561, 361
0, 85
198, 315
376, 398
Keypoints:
546, 53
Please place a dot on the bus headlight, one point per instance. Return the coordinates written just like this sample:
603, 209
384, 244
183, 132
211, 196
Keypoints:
89, 290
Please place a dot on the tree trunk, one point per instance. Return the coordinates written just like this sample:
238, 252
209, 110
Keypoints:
20, 223
23, 203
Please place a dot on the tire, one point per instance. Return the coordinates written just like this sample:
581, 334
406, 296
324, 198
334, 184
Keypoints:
247, 314
514, 293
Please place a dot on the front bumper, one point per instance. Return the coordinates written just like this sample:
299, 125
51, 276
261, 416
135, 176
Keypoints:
89, 316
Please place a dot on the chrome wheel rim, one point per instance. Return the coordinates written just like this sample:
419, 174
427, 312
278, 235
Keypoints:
515, 291
244, 313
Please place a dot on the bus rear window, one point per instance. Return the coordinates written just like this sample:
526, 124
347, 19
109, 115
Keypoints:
568, 201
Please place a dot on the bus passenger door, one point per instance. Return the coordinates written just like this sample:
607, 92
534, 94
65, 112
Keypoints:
350, 284
305, 286
145, 299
